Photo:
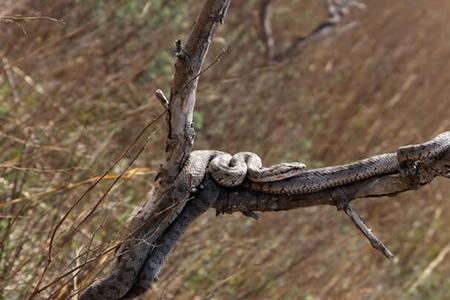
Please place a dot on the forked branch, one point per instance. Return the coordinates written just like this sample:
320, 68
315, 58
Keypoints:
167, 200
337, 9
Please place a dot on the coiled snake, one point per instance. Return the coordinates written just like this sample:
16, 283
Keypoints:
285, 178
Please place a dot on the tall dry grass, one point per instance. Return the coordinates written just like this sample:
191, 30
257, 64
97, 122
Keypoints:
76, 88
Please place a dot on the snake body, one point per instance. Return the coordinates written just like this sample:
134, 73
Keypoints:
232, 170
286, 178
293, 178
310, 181
425, 151
193, 209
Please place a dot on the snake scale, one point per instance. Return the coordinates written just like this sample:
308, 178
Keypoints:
285, 178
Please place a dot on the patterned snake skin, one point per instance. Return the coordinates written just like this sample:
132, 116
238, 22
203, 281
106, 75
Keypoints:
193, 209
230, 171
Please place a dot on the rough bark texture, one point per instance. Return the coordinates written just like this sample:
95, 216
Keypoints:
167, 200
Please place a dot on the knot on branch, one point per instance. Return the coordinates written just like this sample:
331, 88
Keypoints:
419, 164
180, 53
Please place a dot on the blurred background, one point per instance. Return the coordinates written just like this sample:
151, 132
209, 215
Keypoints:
77, 86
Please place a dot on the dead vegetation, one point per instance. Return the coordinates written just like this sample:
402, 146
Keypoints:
75, 95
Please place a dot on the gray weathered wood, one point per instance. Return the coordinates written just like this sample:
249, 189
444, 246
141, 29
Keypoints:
167, 200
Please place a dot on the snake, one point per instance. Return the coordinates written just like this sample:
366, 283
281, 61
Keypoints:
246, 168
293, 178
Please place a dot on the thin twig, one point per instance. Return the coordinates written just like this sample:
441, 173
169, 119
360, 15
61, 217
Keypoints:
16, 18
215, 61
58, 225
373, 239
103, 197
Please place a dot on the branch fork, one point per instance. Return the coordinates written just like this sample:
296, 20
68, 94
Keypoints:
337, 9
167, 212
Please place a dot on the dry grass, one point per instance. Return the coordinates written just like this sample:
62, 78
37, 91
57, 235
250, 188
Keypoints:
74, 95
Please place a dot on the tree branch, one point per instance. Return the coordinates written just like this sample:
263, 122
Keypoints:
167, 200
245, 200
265, 24
337, 9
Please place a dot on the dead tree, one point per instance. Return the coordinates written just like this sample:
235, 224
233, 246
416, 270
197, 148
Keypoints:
178, 199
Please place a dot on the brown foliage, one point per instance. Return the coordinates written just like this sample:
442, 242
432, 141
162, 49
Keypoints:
74, 95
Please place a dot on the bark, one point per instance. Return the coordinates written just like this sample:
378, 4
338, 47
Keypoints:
166, 200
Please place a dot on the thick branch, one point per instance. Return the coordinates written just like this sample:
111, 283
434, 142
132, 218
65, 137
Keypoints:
244, 199
168, 199
184, 87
